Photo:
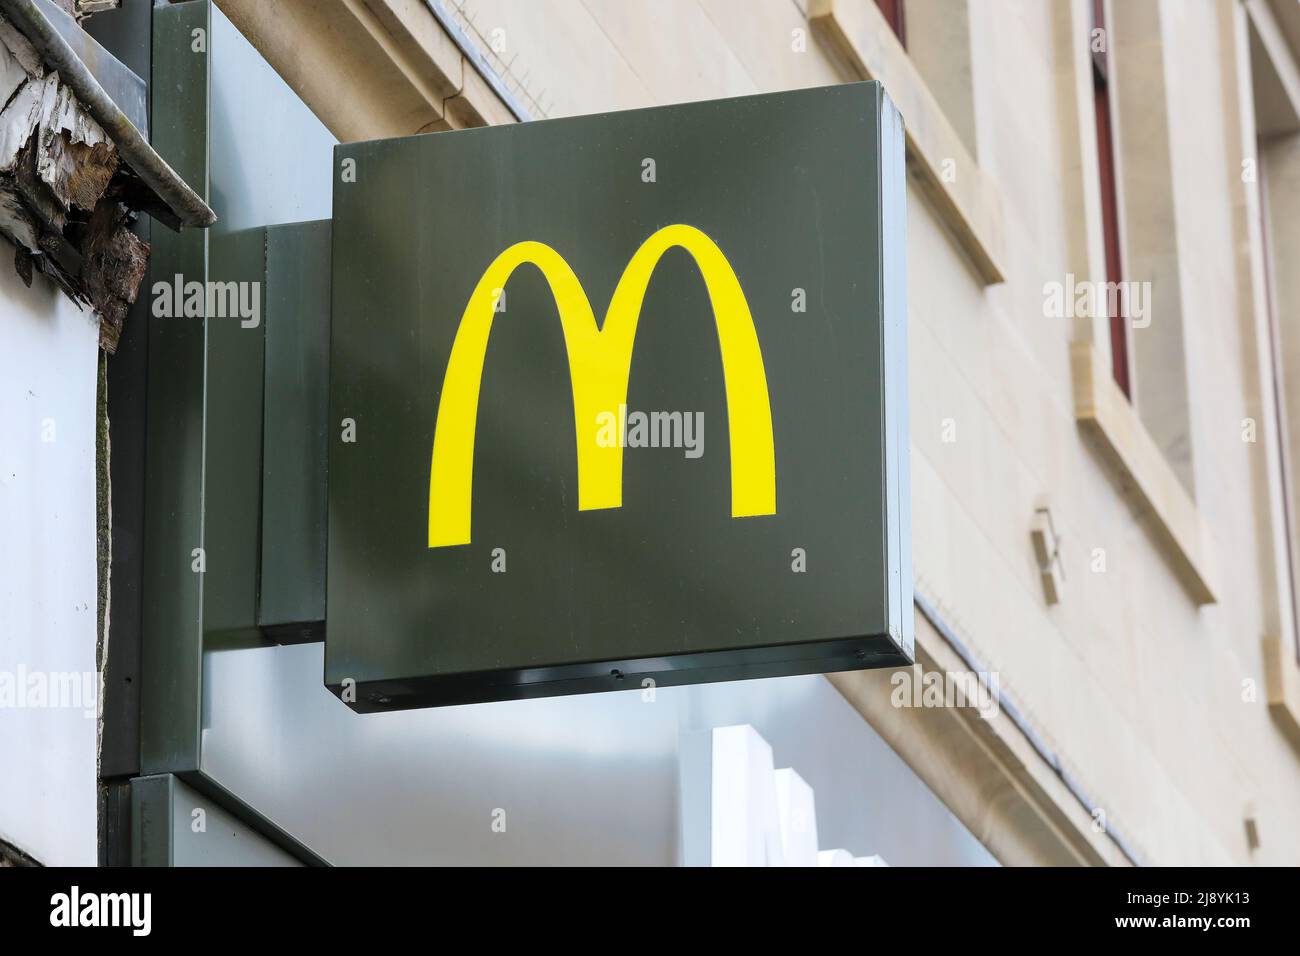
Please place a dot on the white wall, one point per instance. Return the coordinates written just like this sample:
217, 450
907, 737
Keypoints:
48, 355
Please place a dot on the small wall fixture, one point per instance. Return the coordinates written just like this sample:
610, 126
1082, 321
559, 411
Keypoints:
1047, 549
1252, 829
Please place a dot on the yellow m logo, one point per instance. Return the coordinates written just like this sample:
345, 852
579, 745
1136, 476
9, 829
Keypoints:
600, 362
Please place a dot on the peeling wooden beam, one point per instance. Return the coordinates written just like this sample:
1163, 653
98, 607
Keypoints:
67, 201
85, 8
116, 260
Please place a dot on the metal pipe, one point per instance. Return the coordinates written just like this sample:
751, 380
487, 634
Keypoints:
134, 149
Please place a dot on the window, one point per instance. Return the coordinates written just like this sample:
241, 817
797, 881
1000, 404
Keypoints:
930, 82
1275, 348
1131, 376
893, 12
1275, 109
1109, 196
939, 46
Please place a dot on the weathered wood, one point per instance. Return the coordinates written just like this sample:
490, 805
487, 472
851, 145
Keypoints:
19, 119
23, 265
50, 212
12, 74
86, 8
21, 49
16, 220
74, 157
61, 261
115, 263
66, 199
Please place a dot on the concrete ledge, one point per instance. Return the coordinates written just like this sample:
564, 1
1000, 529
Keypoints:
368, 69
1107, 416
984, 770
857, 35
477, 104
1282, 683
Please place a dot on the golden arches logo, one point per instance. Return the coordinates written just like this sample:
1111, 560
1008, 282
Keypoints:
600, 362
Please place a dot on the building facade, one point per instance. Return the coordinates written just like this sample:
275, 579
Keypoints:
1104, 364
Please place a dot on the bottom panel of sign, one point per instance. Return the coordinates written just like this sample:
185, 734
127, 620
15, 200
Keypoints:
822, 657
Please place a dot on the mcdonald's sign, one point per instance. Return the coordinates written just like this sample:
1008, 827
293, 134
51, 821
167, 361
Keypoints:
619, 402
600, 361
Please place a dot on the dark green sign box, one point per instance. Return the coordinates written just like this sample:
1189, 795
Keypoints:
471, 557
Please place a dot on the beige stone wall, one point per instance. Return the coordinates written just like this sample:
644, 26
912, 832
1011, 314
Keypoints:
1132, 680
1137, 688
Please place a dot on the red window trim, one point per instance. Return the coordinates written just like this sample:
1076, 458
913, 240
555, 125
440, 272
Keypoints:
893, 13
1119, 345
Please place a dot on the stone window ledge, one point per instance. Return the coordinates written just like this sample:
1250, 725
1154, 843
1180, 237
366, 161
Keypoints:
1282, 683
858, 36
1109, 419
